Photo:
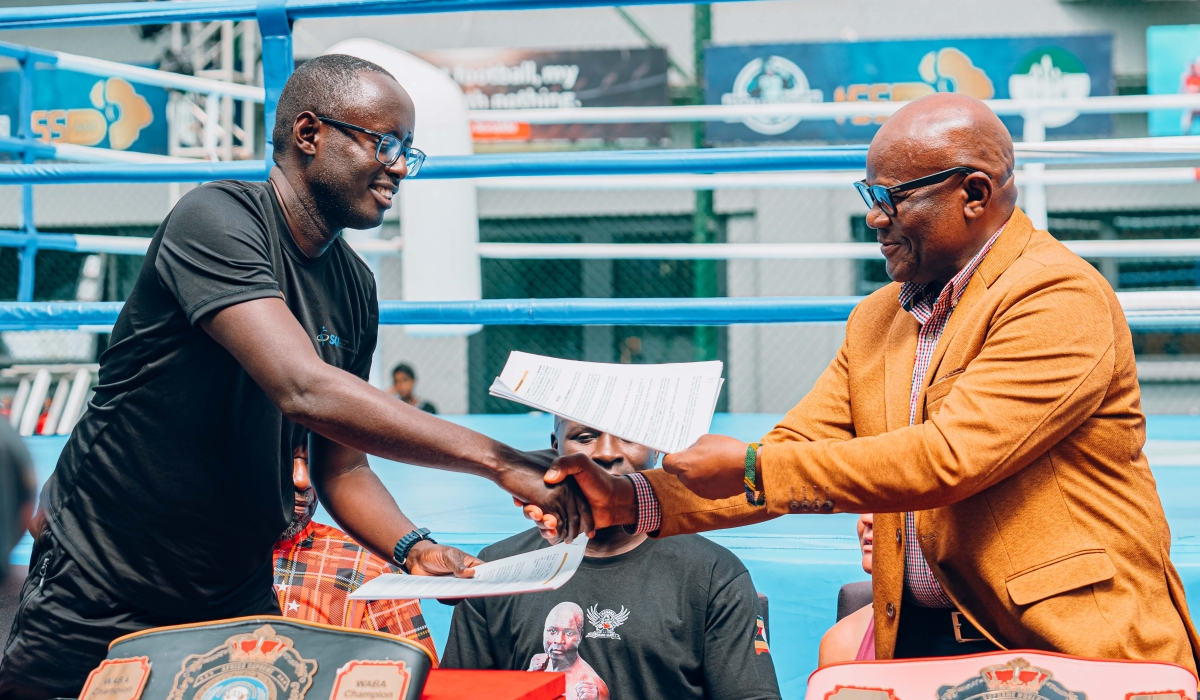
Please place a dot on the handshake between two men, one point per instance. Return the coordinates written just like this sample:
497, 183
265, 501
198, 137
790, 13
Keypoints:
667, 408
713, 468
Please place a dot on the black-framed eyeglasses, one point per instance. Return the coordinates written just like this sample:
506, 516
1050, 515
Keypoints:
390, 148
878, 194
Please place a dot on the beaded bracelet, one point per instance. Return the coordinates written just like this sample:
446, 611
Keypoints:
754, 496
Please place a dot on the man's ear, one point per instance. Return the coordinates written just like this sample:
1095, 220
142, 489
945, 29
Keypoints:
305, 133
978, 187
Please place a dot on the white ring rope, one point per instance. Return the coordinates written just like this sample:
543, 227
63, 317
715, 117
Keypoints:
1125, 249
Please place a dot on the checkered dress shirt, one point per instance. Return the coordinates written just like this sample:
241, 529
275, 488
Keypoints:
932, 312
317, 569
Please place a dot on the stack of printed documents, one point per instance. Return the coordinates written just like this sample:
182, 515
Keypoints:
664, 407
540, 570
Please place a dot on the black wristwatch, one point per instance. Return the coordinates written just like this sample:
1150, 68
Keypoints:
400, 553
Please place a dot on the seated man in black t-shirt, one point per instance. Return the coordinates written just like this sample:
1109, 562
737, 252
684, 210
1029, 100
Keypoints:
674, 618
248, 333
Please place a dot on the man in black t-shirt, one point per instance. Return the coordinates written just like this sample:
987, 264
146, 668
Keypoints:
249, 332
668, 619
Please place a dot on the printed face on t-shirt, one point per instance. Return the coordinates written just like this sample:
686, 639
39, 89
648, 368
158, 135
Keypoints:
561, 637
609, 451
562, 634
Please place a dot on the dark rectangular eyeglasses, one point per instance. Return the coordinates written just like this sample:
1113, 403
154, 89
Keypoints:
878, 194
389, 150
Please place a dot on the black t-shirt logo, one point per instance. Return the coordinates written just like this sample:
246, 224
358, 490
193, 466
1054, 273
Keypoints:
333, 339
606, 622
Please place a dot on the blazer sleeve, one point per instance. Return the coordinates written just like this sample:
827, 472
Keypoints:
1044, 368
823, 414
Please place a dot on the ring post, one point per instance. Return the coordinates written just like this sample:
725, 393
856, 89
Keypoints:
28, 254
277, 61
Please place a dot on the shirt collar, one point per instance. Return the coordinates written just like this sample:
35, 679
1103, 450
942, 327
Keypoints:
918, 296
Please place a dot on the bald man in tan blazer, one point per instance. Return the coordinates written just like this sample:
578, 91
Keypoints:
1018, 449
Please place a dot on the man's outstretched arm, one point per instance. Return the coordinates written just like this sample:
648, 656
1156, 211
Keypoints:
265, 338
364, 508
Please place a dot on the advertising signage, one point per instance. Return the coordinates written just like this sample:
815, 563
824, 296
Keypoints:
86, 110
1173, 68
525, 79
1026, 67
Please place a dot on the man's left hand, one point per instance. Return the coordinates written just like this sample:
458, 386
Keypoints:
429, 559
713, 468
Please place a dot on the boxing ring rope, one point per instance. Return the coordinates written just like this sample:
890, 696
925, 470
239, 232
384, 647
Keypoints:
1126, 249
1104, 104
145, 76
1177, 310
81, 154
555, 164
103, 14
821, 180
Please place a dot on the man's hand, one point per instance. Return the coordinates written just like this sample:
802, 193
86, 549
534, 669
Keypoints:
586, 690
429, 559
713, 468
539, 662
561, 505
611, 499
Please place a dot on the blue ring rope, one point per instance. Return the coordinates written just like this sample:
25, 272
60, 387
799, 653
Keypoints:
102, 14
492, 165
721, 311
668, 161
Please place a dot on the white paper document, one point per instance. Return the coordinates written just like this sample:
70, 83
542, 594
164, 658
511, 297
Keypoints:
664, 407
542, 570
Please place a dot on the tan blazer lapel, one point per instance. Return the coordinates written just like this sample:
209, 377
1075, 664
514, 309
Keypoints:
1007, 249
1004, 251
975, 289
899, 355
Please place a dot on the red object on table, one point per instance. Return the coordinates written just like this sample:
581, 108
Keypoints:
456, 684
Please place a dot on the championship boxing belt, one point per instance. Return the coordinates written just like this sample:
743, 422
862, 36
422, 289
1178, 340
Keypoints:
259, 658
1003, 675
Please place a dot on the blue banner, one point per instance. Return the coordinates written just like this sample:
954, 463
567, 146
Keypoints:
1173, 67
1026, 67
88, 110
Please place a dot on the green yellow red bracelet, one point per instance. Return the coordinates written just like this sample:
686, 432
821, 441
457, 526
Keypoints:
754, 496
